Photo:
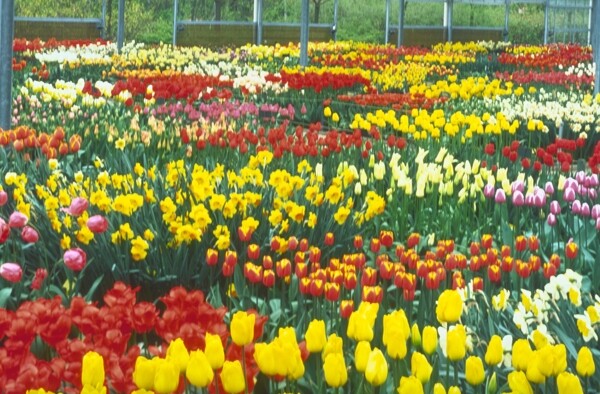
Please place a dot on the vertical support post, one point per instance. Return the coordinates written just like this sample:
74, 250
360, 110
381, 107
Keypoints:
258, 22
546, 21
304, 33
175, 14
6, 55
400, 37
593, 4
506, 15
450, 5
335, 20
596, 44
121, 25
387, 21
104, 32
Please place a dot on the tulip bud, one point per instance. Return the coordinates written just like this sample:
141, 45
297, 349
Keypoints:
361, 355
316, 337
3, 198
494, 353
166, 378
178, 354
92, 370
334, 367
77, 207
143, 374
585, 362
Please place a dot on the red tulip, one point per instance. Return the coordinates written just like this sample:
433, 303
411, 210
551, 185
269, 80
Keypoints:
571, 250
3, 198
40, 275
212, 257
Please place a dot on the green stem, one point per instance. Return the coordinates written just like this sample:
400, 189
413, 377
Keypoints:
244, 368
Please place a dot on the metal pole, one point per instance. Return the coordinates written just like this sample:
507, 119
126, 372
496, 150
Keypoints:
546, 21
387, 21
175, 11
506, 14
121, 25
258, 21
335, 20
449, 19
6, 54
304, 33
596, 44
104, 32
593, 4
400, 37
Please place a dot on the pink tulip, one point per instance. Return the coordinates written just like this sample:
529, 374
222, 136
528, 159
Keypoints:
77, 207
500, 197
75, 259
595, 212
555, 208
29, 235
488, 191
97, 224
551, 220
576, 207
3, 198
569, 194
549, 188
585, 209
11, 272
518, 199
17, 219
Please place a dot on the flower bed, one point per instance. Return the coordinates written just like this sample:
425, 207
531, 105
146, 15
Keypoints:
181, 219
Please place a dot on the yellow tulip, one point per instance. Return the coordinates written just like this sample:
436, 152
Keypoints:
92, 370
521, 354
88, 389
178, 353
518, 383
214, 351
494, 352
449, 306
559, 354
456, 343
316, 336
199, 371
454, 390
166, 378
242, 328
474, 371
361, 355
143, 374
420, 367
429, 340
233, 377
377, 368
568, 384
585, 362
335, 371
334, 345
439, 388
415, 335
410, 385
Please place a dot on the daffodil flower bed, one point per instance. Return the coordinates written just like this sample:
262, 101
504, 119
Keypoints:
385, 219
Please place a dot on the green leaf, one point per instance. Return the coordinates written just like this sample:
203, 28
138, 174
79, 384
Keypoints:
92, 290
5, 296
